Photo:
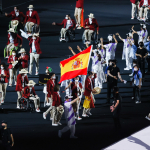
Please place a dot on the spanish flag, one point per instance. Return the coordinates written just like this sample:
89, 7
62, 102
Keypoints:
75, 65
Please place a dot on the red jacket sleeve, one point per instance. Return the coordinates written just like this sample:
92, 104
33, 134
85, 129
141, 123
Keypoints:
10, 14
20, 39
84, 25
26, 80
25, 59
86, 85
80, 85
60, 24
48, 88
7, 74
8, 61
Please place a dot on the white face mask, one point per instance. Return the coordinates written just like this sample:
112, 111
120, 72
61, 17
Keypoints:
110, 63
135, 70
13, 54
66, 18
147, 39
76, 80
33, 38
2, 67
46, 71
53, 77
30, 9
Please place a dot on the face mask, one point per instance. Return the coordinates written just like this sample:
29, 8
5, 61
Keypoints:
76, 80
135, 70
110, 63
2, 67
30, 9
46, 71
33, 38
54, 77
147, 39
13, 54
15, 10
66, 18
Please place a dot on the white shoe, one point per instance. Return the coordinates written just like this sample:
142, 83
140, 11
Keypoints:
44, 116
132, 18
37, 73
64, 39
85, 115
73, 137
147, 118
53, 124
60, 39
30, 73
126, 69
10, 85
18, 107
15, 83
51, 118
79, 118
2, 102
138, 102
7, 57
37, 110
59, 134
131, 74
79, 27
59, 123
89, 113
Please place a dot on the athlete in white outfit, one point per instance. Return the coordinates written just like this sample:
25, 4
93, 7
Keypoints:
110, 48
126, 50
143, 34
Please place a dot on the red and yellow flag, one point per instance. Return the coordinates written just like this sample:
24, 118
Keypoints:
75, 65
82, 17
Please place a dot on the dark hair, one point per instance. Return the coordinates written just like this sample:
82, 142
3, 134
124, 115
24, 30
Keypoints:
137, 66
56, 88
17, 7
114, 60
90, 73
69, 15
4, 65
13, 51
51, 74
77, 77
141, 44
135, 61
109, 60
116, 89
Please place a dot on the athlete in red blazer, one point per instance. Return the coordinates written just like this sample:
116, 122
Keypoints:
34, 17
74, 89
37, 44
91, 26
64, 23
142, 1
27, 93
6, 72
19, 82
24, 61
10, 59
50, 87
56, 99
79, 3
16, 43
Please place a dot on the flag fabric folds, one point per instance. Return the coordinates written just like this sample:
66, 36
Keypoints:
75, 65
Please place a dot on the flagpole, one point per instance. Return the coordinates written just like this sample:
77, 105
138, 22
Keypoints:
90, 56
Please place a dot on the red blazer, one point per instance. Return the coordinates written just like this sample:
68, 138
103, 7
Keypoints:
142, 1
37, 44
91, 26
79, 3
56, 99
50, 87
74, 89
88, 88
26, 93
34, 17
10, 59
19, 82
24, 61
64, 22
15, 40
14, 17
7, 75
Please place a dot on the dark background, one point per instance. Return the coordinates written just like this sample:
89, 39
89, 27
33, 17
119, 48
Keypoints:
30, 130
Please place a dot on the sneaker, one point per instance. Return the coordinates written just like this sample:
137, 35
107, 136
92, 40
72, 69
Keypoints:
37, 73
44, 116
10, 85
132, 18
60, 39
15, 83
79, 27
147, 118
138, 102
79, 118
30, 73
53, 124
18, 107
132, 98
126, 69
131, 74
89, 113
85, 115
59, 123
73, 137
64, 39
7, 57
2, 101
37, 110
59, 134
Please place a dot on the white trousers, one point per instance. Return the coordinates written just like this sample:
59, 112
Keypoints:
77, 15
88, 33
29, 26
13, 74
71, 128
19, 96
108, 57
145, 12
10, 46
128, 61
3, 87
100, 79
36, 101
33, 57
63, 32
134, 7
83, 81
50, 109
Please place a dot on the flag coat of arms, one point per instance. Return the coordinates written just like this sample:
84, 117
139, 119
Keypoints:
75, 65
